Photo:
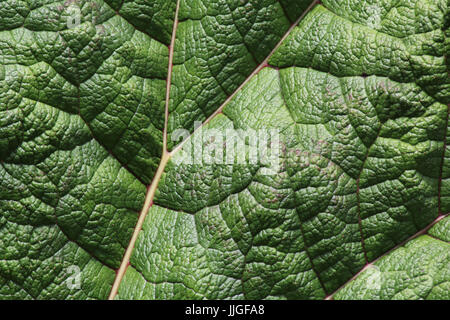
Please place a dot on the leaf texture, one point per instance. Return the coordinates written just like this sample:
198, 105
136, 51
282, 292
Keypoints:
93, 93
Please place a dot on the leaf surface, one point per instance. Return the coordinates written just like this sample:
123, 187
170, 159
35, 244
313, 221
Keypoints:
94, 181
418, 270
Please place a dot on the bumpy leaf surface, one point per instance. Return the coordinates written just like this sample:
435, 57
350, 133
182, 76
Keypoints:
93, 94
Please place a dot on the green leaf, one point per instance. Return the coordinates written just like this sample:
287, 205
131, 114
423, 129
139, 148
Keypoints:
418, 270
100, 194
